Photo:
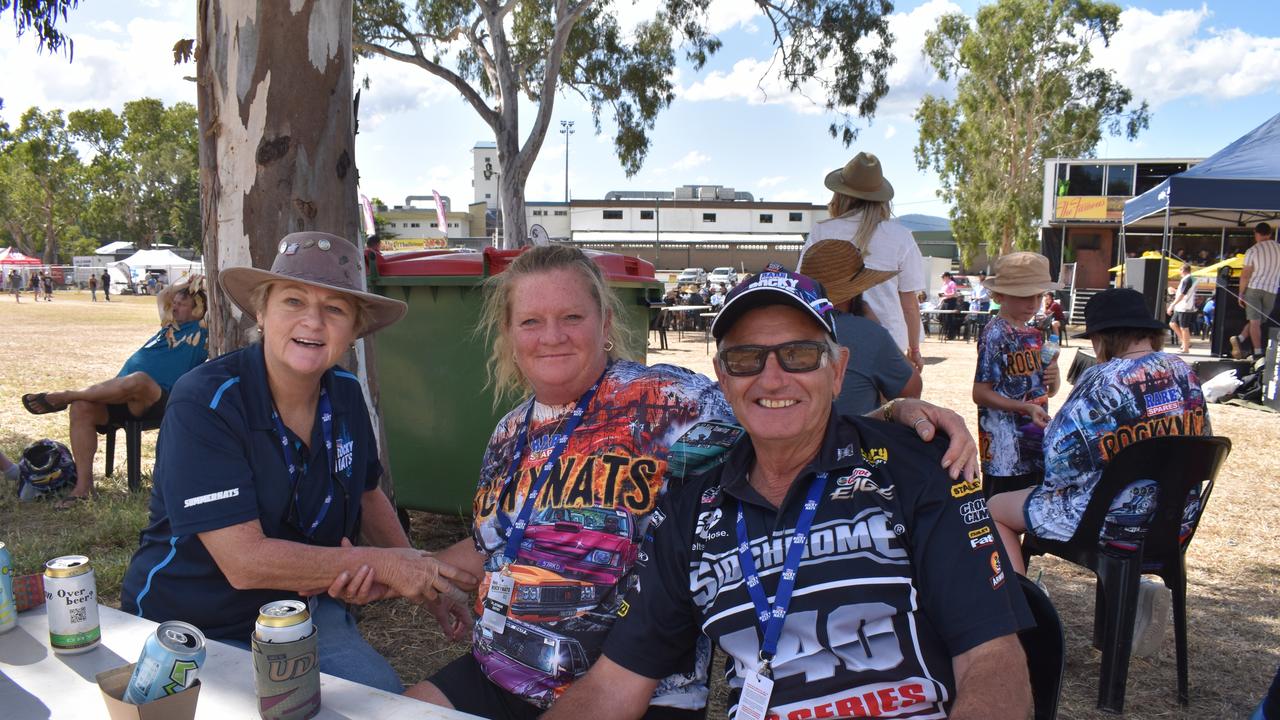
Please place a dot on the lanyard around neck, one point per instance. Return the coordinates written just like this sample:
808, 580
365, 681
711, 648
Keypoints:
559, 441
298, 464
769, 618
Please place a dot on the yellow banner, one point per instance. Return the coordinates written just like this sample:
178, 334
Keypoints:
1083, 208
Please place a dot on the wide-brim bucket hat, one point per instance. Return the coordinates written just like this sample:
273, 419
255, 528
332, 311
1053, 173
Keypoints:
861, 177
838, 265
1021, 274
1117, 308
320, 260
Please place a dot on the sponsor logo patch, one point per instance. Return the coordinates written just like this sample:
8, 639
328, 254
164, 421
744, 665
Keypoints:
859, 481
710, 494
981, 541
979, 532
975, 511
211, 497
876, 456
997, 571
966, 487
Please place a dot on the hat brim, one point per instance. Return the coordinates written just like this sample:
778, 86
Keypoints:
835, 183
1020, 289
842, 291
239, 283
1134, 324
758, 298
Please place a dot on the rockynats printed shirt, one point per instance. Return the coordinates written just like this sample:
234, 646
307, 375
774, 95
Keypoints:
1009, 359
579, 549
903, 570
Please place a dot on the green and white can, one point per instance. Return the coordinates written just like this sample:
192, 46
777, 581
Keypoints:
71, 596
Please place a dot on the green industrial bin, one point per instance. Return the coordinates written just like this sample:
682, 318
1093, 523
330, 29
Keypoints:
437, 412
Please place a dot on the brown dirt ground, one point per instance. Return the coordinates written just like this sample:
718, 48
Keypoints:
1234, 572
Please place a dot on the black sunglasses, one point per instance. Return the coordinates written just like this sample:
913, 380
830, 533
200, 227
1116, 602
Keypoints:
797, 356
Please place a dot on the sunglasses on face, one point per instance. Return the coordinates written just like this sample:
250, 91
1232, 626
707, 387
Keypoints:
798, 356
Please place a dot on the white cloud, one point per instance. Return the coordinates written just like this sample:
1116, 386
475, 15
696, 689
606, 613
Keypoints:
691, 160
765, 183
1175, 54
890, 131
396, 87
722, 15
107, 26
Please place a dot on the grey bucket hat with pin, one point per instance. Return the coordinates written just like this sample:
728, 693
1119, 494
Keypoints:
320, 260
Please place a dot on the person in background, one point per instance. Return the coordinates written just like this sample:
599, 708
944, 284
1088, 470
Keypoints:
877, 371
1258, 284
980, 300
93, 287
106, 285
46, 282
1050, 317
267, 473
34, 285
861, 214
897, 616
949, 299
717, 298
15, 285
1123, 397
151, 284
1209, 306
556, 333
140, 391
1182, 310
1013, 383
372, 251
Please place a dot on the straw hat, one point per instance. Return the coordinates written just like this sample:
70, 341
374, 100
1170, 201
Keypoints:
838, 265
1021, 274
320, 260
861, 178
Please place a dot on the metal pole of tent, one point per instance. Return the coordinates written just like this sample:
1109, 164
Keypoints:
1222, 243
1162, 282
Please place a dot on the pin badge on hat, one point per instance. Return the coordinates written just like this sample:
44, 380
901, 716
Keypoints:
323, 244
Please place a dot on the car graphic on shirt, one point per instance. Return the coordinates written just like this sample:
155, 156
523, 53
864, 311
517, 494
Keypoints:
524, 659
592, 544
540, 595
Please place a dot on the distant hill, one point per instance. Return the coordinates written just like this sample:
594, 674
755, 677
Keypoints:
916, 222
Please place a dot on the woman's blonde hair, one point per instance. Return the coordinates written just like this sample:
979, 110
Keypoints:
873, 213
504, 374
258, 301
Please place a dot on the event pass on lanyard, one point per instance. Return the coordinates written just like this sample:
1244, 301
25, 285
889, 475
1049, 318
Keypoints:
753, 703
498, 600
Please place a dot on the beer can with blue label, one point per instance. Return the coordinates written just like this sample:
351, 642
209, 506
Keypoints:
170, 661
8, 605
71, 599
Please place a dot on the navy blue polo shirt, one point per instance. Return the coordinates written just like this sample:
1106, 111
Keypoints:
219, 462
902, 571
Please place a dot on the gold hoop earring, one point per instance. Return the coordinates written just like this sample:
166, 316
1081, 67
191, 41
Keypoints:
608, 346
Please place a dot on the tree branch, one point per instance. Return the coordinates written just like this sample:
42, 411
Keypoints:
417, 58
566, 19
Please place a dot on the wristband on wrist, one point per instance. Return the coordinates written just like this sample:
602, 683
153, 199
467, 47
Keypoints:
889, 408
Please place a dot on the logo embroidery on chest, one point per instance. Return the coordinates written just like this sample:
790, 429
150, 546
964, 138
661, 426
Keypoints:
859, 480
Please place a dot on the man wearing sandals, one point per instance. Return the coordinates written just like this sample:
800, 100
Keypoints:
141, 389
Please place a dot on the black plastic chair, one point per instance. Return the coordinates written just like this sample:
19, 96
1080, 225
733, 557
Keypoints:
1046, 648
1177, 463
133, 430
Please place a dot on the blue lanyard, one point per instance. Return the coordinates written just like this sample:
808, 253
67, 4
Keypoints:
771, 617
297, 468
559, 441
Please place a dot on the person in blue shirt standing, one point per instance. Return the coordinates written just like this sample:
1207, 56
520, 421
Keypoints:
140, 390
267, 473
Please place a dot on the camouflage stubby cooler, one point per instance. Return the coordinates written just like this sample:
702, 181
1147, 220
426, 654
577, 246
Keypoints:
287, 676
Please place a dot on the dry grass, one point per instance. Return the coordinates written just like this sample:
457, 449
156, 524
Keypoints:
1234, 574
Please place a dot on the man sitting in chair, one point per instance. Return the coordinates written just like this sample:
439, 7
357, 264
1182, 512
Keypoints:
901, 607
1134, 392
141, 389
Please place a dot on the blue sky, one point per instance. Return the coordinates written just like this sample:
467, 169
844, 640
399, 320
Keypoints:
1211, 72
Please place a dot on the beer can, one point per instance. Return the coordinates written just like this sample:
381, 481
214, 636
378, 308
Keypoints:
8, 604
170, 661
282, 621
71, 596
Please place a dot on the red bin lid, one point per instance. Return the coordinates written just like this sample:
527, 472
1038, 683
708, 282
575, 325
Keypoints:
454, 263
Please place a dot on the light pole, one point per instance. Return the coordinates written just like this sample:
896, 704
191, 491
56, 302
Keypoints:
566, 129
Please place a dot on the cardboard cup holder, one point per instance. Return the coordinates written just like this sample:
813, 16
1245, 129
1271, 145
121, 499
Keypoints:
179, 706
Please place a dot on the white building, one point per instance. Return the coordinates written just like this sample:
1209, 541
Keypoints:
484, 173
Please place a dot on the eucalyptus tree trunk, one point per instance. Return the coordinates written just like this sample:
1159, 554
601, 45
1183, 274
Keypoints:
277, 144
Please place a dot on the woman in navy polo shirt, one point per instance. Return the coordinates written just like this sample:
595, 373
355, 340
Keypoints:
267, 472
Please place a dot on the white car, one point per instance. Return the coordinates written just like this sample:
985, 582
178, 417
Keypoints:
690, 276
723, 276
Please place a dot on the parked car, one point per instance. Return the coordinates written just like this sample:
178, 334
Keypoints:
688, 276
723, 276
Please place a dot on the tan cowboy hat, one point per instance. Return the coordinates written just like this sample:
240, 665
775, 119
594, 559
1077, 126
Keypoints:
320, 260
1021, 274
860, 178
193, 284
838, 265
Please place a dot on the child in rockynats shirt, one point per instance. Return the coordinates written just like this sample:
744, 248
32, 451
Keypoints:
1013, 384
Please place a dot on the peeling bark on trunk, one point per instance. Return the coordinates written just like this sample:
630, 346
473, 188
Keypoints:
277, 147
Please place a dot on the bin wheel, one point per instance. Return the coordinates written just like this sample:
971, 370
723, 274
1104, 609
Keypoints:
403, 516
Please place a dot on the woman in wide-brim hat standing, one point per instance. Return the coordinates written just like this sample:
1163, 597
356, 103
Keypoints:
1125, 395
861, 214
267, 472
877, 370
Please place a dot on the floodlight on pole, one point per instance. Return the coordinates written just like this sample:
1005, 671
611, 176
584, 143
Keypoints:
566, 129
